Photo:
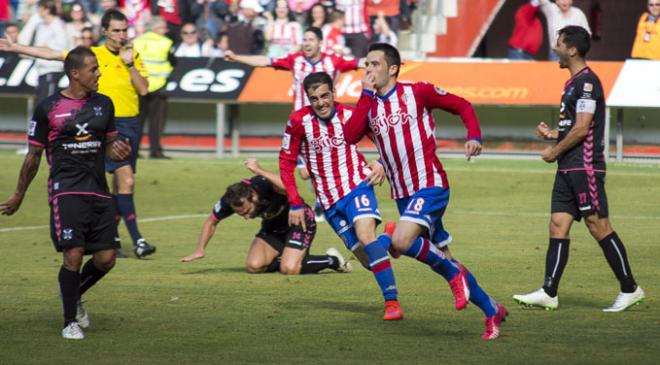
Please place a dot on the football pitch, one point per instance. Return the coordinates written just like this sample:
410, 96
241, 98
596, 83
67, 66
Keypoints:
161, 311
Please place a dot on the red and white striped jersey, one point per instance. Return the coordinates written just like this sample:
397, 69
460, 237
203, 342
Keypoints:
285, 33
300, 66
403, 129
356, 19
335, 167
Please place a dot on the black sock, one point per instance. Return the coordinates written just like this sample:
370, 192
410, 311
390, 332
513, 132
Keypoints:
89, 276
616, 256
274, 266
126, 207
313, 264
70, 290
555, 262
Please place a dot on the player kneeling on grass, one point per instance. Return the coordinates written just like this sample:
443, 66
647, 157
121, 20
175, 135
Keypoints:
276, 247
76, 127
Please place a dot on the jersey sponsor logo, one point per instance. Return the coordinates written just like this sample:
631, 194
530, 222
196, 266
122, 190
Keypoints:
32, 128
82, 147
382, 123
565, 123
326, 143
588, 87
63, 115
286, 141
217, 207
82, 134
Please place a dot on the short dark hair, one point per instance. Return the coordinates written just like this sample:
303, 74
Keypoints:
112, 14
12, 24
392, 56
315, 79
49, 5
578, 37
238, 192
75, 59
317, 32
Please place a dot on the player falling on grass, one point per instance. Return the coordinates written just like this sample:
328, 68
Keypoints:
123, 80
579, 188
76, 127
276, 247
399, 116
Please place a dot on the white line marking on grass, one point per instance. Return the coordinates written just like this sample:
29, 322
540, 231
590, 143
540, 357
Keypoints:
145, 220
458, 212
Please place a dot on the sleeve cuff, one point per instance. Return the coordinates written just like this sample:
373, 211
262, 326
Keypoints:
475, 139
368, 92
296, 207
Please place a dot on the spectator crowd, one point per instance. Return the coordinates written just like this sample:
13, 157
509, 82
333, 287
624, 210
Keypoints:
207, 28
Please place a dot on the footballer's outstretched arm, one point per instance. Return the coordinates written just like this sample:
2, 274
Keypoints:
208, 229
38, 52
28, 172
255, 167
250, 60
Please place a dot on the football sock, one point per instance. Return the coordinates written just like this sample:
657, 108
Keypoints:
380, 265
89, 275
126, 207
385, 241
555, 262
479, 297
616, 256
312, 264
423, 250
70, 291
274, 266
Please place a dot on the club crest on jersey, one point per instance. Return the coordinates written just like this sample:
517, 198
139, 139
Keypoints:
82, 134
98, 111
383, 123
326, 142
588, 87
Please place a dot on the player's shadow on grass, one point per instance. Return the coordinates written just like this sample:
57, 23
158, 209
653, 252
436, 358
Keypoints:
416, 324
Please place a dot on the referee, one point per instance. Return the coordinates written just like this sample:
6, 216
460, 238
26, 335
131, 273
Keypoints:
123, 79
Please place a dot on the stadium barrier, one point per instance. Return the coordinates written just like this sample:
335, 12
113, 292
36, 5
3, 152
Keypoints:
483, 82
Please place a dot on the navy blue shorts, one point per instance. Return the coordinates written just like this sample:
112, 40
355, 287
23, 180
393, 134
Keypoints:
127, 128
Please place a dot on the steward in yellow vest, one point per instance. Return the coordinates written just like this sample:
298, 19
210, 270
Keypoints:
156, 51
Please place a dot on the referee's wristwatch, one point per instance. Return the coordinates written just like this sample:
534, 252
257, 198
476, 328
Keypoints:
129, 65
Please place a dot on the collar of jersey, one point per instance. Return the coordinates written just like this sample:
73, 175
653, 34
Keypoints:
389, 93
314, 63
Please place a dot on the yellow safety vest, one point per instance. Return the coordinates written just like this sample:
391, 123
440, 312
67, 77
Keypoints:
154, 49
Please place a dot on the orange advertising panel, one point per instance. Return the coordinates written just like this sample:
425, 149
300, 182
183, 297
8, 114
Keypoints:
491, 83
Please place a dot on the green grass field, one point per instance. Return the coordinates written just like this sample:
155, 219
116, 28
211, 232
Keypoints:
160, 311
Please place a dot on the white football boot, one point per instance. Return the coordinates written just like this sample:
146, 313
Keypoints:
344, 266
73, 332
537, 298
81, 315
626, 300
